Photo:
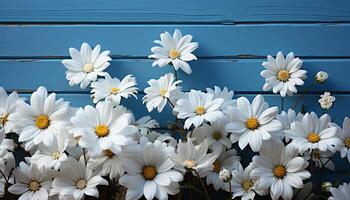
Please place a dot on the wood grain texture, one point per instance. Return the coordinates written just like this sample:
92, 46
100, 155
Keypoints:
174, 11
125, 41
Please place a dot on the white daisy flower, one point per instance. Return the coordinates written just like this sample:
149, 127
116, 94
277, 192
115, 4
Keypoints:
321, 159
229, 102
51, 156
280, 169
31, 183
191, 157
283, 74
41, 120
228, 160
149, 172
86, 65
253, 123
7, 108
214, 135
326, 100
145, 124
345, 137
198, 108
314, 133
76, 180
243, 185
113, 89
176, 50
340, 193
287, 118
162, 137
160, 92
102, 127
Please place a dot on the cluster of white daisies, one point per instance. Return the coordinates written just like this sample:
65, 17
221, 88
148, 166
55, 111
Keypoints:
75, 153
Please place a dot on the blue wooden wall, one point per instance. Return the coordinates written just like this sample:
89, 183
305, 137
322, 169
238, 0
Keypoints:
234, 37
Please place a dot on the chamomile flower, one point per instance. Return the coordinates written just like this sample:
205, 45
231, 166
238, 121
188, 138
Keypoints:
326, 101
102, 127
160, 92
280, 169
41, 120
345, 137
340, 193
225, 94
176, 50
86, 65
253, 123
198, 108
113, 89
314, 133
150, 173
282, 75
7, 108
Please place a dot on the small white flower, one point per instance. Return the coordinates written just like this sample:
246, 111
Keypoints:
340, 193
287, 118
280, 169
7, 108
31, 183
113, 89
160, 92
321, 76
198, 108
253, 123
162, 137
176, 50
283, 74
345, 137
229, 102
75, 180
86, 65
326, 100
314, 133
145, 124
150, 172
225, 175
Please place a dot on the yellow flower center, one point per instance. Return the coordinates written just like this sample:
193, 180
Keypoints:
55, 155
173, 54
217, 135
34, 185
279, 171
42, 121
102, 130
149, 172
252, 123
4, 118
81, 184
115, 90
108, 153
313, 137
283, 75
200, 110
163, 92
246, 185
190, 164
88, 68
217, 166
347, 142
316, 154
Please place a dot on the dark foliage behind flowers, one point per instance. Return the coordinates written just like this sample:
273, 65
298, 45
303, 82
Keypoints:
218, 147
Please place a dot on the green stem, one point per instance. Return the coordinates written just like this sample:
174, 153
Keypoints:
302, 95
203, 185
84, 152
230, 189
282, 103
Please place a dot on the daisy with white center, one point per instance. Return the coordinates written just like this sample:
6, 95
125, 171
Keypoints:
253, 123
345, 137
41, 120
280, 169
53, 155
314, 133
326, 100
198, 108
145, 124
229, 102
84, 66
283, 74
176, 50
7, 108
228, 160
31, 183
149, 172
340, 193
214, 135
194, 158
76, 180
102, 127
243, 185
160, 92
113, 89
287, 118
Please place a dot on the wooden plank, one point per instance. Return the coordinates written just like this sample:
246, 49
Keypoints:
173, 11
240, 75
243, 41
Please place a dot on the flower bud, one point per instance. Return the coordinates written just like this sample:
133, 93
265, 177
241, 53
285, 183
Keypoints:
326, 186
321, 76
225, 175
